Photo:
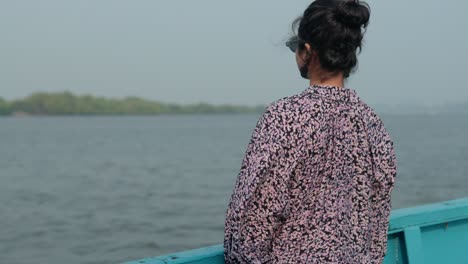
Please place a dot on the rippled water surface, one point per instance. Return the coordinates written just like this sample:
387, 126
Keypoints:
112, 189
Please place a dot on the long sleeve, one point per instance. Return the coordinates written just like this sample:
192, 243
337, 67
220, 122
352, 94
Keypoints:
258, 202
385, 169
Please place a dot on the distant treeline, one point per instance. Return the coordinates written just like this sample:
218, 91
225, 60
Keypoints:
66, 103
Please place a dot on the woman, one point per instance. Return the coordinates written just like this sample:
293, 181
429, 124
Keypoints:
316, 180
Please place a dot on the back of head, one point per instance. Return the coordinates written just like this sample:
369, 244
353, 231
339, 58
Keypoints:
335, 29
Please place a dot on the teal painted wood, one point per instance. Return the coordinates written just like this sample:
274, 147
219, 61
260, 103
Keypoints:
429, 234
414, 248
212, 254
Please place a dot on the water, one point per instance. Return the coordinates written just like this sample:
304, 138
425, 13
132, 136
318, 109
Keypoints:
113, 189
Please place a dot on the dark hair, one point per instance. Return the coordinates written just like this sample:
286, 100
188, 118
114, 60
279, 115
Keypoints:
334, 29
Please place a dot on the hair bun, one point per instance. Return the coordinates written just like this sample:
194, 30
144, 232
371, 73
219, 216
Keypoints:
352, 13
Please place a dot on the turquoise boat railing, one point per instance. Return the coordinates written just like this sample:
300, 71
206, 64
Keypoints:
425, 234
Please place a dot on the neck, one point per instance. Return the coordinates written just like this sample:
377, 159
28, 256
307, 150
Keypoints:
328, 82
327, 79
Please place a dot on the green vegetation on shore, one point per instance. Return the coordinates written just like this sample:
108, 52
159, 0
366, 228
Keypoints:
66, 103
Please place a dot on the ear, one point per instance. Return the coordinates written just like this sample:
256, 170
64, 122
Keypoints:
309, 52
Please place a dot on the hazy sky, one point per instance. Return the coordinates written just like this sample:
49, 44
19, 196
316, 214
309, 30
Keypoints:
222, 51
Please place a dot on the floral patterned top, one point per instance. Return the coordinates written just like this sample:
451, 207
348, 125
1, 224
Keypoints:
315, 183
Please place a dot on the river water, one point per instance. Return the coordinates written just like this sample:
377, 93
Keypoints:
113, 189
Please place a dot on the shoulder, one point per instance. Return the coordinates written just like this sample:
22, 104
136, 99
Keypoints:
284, 117
377, 124
279, 114
288, 107
381, 140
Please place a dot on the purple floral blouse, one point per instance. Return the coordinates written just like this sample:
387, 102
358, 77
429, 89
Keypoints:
315, 183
